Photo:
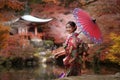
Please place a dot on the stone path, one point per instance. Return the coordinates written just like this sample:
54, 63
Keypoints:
93, 77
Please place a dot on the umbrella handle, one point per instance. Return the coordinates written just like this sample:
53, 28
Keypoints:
79, 32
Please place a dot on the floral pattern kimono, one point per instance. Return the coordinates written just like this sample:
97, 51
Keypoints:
72, 61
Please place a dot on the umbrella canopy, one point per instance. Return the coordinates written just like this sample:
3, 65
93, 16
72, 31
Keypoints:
87, 25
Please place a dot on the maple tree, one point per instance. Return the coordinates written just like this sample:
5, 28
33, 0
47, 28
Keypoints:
4, 35
15, 48
13, 4
8, 9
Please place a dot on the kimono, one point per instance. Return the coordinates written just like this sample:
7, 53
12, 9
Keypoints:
73, 60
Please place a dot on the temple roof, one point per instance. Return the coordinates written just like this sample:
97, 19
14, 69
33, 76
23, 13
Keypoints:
34, 19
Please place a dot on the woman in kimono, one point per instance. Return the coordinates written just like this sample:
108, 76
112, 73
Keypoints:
72, 61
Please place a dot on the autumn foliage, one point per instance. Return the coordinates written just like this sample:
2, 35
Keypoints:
4, 35
8, 9
16, 48
13, 4
114, 50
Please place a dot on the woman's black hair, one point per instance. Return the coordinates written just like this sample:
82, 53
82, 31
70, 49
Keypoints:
72, 24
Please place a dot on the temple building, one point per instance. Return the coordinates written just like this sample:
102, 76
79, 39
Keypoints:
28, 28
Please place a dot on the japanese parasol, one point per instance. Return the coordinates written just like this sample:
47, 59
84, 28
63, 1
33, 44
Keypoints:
87, 26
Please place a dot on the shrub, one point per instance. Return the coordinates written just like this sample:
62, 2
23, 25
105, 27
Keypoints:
114, 50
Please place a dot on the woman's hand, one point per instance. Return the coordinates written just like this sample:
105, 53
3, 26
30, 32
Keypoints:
59, 54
